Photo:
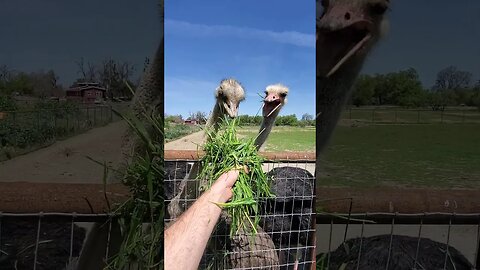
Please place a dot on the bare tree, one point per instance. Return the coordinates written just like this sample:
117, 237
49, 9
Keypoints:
5, 73
113, 75
87, 71
451, 78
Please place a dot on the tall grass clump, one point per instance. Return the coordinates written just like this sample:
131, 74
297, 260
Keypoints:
224, 151
141, 216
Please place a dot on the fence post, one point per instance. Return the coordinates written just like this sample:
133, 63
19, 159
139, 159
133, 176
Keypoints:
95, 116
441, 116
373, 116
66, 113
38, 119
350, 111
55, 122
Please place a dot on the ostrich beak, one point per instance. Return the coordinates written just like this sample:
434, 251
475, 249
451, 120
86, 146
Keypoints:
272, 103
231, 108
343, 32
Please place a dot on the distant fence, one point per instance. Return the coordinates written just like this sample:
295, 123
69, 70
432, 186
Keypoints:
31, 129
411, 116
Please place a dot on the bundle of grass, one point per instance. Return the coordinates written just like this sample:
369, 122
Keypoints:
141, 216
224, 151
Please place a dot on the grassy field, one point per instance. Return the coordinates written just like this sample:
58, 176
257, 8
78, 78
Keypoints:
285, 138
437, 155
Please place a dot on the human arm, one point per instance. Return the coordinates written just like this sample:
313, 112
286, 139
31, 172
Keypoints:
187, 238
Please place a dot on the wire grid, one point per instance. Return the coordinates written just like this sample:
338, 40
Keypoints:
407, 244
288, 219
45, 241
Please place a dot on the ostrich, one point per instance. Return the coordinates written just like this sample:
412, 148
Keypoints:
346, 32
228, 96
375, 252
262, 253
275, 99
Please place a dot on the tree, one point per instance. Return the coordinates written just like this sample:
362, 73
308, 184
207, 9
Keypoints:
114, 75
199, 116
451, 78
87, 71
287, 120
307, 117
364, 90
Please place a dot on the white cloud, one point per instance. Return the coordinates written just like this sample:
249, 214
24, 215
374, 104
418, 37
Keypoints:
176, 27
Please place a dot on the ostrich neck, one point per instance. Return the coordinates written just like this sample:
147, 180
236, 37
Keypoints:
332, 94
215, 117
149, 94
266, 128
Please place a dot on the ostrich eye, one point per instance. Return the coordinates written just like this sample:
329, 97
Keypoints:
378, 8
283, 95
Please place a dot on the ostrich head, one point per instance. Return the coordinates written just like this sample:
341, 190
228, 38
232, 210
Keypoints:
229, 94
275, 98
346, 32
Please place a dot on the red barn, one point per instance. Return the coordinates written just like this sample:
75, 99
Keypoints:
86, 93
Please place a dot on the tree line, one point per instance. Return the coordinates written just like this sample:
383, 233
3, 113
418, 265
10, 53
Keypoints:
248, 120
453, 87
112, 74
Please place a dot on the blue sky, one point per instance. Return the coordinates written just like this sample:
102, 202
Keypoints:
240, 38
429, 36
257, 42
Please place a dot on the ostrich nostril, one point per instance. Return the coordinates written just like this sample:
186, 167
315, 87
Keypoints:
347, 16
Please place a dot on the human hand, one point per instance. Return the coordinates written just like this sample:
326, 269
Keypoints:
221, 190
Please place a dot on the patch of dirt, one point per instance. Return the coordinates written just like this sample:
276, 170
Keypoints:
66, 161
189, 142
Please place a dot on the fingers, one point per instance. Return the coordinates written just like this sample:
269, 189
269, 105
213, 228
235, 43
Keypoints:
230, 177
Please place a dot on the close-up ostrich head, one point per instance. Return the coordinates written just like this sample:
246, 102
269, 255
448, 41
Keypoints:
347, 30
228, 96
275, 98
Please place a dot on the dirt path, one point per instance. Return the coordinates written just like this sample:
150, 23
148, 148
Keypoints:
65, 161
188, 142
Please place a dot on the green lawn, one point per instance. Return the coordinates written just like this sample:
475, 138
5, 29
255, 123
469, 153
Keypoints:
437, 155
284, 138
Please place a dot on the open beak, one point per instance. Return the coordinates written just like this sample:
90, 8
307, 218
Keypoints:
340, 45
271, 103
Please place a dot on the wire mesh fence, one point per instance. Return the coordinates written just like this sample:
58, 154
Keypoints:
398, 241
285, 238
45, 240
411, 116
24, 131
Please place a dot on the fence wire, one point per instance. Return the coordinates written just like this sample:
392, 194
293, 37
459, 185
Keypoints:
286, 221
398, 241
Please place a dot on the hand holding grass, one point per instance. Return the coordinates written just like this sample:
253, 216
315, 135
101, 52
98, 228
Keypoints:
186, 239
221, 190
